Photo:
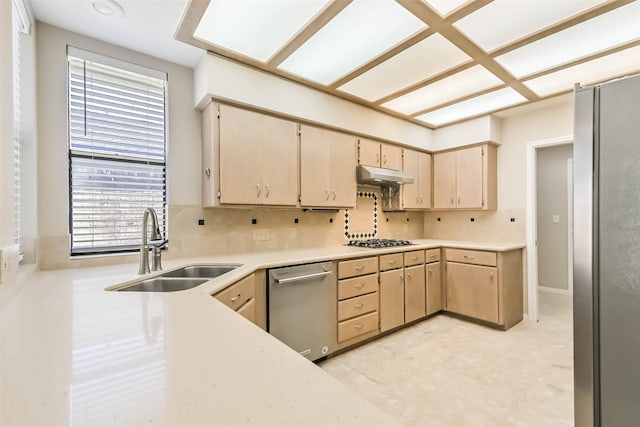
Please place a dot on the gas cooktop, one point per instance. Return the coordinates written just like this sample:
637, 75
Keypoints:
378, 243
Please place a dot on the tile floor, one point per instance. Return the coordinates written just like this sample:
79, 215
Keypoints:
449, 372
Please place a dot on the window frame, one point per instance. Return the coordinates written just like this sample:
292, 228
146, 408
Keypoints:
119, 248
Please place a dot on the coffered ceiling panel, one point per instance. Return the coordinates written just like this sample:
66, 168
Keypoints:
424, 59
504, 21
360, 32
597, 34
432, 62
590, 72
473, 107
454, 87
255, 28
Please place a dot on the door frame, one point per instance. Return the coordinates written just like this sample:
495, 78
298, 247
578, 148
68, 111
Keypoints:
532, 219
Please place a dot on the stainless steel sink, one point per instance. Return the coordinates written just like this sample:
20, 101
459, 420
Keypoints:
181, 279
165, 284
208, 271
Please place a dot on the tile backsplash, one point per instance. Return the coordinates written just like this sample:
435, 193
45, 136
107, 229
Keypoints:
503, 225
231, 230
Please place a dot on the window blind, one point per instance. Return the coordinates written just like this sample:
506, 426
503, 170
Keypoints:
117, 151
18, 28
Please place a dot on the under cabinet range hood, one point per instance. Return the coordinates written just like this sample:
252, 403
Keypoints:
383, 177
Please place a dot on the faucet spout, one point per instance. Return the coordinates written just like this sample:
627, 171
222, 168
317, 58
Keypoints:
157, 242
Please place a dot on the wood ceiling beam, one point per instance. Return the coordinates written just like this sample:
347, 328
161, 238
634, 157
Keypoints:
321, 19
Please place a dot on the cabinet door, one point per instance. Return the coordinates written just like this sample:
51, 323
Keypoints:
342, 170
469, 177
472, 290
391, 157
424, 174
434, 288
241, 134
279, 162
444, 180
411, 192
209, 155
368, 152
314, 167
414, 293
391, 299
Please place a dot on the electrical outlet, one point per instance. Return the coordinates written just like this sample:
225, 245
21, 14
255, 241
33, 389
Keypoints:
4, 266
261, 234
556, 219
294, 233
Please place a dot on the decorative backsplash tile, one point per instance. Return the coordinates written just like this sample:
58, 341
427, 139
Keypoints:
362, 222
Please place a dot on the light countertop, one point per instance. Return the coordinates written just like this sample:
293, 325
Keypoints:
73, 354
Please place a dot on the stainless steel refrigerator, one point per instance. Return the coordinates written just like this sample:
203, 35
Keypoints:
607, 254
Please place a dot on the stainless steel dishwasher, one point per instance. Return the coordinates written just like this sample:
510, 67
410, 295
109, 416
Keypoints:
302, 308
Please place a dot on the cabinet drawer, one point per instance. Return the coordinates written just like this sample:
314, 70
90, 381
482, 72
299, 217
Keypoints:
472, 257
357, 267
357, 306
390, 262
239, 293
357, 326
432, 255
349, 288
413, 258
248, 310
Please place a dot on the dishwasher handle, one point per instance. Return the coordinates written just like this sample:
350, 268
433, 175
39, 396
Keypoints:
302, 277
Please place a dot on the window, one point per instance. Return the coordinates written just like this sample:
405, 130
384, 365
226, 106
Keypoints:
117, 151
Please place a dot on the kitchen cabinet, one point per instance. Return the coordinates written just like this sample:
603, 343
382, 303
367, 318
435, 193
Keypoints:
433, 282
485, 285
417, 195
379, 154
391, 299
465, 178
327, 168
249, 158
358, 300
414, 290
248, 298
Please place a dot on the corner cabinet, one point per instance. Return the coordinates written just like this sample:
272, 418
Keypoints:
466, 178
327, 168
249, 158
418, 194
485, 285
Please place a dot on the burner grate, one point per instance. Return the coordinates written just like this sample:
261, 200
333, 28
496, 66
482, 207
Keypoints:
378, 243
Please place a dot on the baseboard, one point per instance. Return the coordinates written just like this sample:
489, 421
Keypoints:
553, 290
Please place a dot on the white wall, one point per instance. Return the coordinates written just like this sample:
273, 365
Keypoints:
227, 80
552, 200
183, 131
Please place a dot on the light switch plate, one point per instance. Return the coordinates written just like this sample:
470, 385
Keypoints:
261, 234
556, 219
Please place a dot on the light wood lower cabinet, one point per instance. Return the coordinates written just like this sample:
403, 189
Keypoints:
248, 298
434, 288
391, 299
414, 293
358, 300
488, 286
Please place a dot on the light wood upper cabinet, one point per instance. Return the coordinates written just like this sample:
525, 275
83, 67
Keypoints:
417, 195
465, 178
249, 158
379, 154
327, 168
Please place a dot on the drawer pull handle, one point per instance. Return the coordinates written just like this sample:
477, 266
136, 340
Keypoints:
358, 285
469, 257
414, 258
359, 326
391, 261
433, 255
430, 272
238, 297
359, 305
491, 275
359, 267
328, 193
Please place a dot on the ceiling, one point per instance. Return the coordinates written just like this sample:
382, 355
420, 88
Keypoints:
433, 62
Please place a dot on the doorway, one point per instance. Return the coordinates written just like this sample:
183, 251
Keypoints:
548, 224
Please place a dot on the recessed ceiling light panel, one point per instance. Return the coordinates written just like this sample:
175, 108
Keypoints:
445, 6
605, 31
421, 61
461, 84
472, 107
363, 30
255, 28
600, 69
504, 21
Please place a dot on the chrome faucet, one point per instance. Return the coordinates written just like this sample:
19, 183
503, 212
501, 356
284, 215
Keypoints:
156, 243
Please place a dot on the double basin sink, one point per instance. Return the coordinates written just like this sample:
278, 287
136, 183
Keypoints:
180, 279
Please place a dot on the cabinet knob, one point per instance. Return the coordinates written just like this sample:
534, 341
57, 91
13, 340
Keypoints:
453, 200
207, 172
491, 275
430, 272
